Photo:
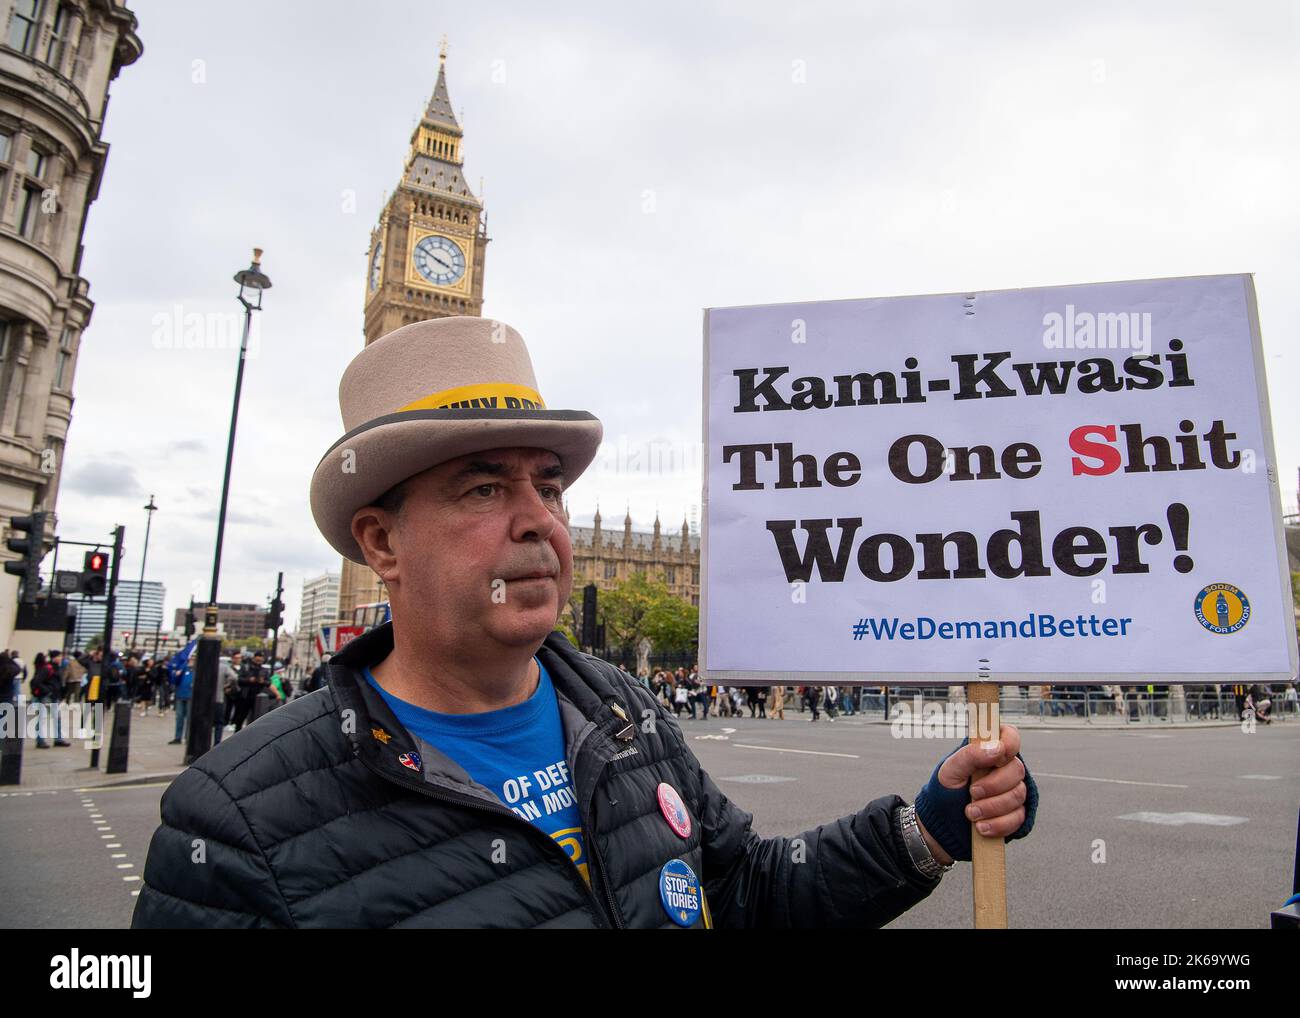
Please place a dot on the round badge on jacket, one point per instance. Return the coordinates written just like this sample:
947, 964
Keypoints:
679, 891
674, 810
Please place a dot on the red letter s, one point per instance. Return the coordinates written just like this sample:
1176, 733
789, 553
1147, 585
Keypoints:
1109, 457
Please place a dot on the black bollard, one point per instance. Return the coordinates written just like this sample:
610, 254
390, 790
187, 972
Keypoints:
11, 743
261, 705
119, 745
207, 663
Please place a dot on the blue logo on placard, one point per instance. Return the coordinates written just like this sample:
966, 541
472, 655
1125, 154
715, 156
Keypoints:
679, 890
1222, 608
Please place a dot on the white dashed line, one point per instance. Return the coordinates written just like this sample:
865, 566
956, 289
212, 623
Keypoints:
1109, 781
806, 752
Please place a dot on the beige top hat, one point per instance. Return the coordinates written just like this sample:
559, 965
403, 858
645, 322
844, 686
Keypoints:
427, 393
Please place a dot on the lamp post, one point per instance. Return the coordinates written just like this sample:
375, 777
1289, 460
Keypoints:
252, 281
150, 509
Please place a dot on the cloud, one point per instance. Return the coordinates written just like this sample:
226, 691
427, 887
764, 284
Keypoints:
104, 480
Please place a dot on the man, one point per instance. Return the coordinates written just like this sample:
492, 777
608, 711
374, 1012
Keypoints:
227, 688
180, 676
466, 766
317, 680
252, 680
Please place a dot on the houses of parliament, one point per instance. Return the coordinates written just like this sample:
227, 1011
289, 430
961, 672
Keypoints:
426, 260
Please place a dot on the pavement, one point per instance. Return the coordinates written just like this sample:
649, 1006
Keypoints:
150, 758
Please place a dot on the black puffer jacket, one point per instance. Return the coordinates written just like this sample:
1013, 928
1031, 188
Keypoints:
307, 818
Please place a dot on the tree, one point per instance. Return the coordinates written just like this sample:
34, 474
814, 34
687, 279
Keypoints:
640, 607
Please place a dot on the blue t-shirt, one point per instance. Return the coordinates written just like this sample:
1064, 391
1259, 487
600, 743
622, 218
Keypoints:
517, 752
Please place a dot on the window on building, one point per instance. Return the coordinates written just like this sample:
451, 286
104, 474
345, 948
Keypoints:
58, 38
611, 570
695, 574
37, 163
4, 342
670, 575
63, 366
6, 146
22, 29
31, 211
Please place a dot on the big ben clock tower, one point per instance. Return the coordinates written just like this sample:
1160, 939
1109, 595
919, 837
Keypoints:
425, 259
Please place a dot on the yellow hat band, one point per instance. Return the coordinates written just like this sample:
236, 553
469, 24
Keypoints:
483, 396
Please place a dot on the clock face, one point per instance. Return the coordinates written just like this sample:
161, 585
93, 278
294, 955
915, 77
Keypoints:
439, 260
376, 264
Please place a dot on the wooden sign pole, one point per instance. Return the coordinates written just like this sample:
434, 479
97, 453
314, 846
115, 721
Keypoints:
988, 855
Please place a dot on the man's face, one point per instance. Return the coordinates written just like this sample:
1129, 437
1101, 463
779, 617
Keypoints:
482, 549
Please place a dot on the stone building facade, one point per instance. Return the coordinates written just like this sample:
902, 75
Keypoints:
606, 558
57, 59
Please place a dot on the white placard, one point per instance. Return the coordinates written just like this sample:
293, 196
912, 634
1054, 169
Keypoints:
1075, 483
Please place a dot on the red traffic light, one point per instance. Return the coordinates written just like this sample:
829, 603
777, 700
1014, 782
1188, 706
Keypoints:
94, 573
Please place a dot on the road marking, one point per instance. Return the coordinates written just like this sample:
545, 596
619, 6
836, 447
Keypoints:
113, 844
129, 788
131, 878
1181, 819
1109, 781
126, 865
806, 752
758, 779
118, 855
1262, 777
106, 837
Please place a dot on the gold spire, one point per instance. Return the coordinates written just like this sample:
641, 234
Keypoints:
442, 49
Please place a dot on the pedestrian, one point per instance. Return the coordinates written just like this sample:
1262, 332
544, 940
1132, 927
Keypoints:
812, 696
181, 679
47, 692
11, 677
144, 691
681, 696
387, 801
778, 703
317, 680
1259, 699
227, 688
252, 681
281, 687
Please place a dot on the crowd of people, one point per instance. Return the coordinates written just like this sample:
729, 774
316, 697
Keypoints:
685, 694
163, 684
683, 691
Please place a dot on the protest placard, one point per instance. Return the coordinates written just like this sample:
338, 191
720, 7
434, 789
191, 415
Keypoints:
1071, 483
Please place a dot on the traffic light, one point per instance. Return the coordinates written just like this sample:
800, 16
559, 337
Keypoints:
275, 617
32, 549
94, 573
189, 620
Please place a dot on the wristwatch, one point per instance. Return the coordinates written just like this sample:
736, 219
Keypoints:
922, 857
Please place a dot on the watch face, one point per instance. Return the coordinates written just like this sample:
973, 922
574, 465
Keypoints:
440, 260
376, 262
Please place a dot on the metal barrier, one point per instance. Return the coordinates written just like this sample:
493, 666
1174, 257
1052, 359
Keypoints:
1087, 704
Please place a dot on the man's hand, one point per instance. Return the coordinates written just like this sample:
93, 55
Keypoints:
997, 799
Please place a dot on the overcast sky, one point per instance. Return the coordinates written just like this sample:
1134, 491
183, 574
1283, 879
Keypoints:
639, 166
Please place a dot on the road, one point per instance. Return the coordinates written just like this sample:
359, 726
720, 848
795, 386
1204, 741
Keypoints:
1197, 826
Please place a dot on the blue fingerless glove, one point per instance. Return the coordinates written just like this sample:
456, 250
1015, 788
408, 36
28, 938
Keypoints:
943, 811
